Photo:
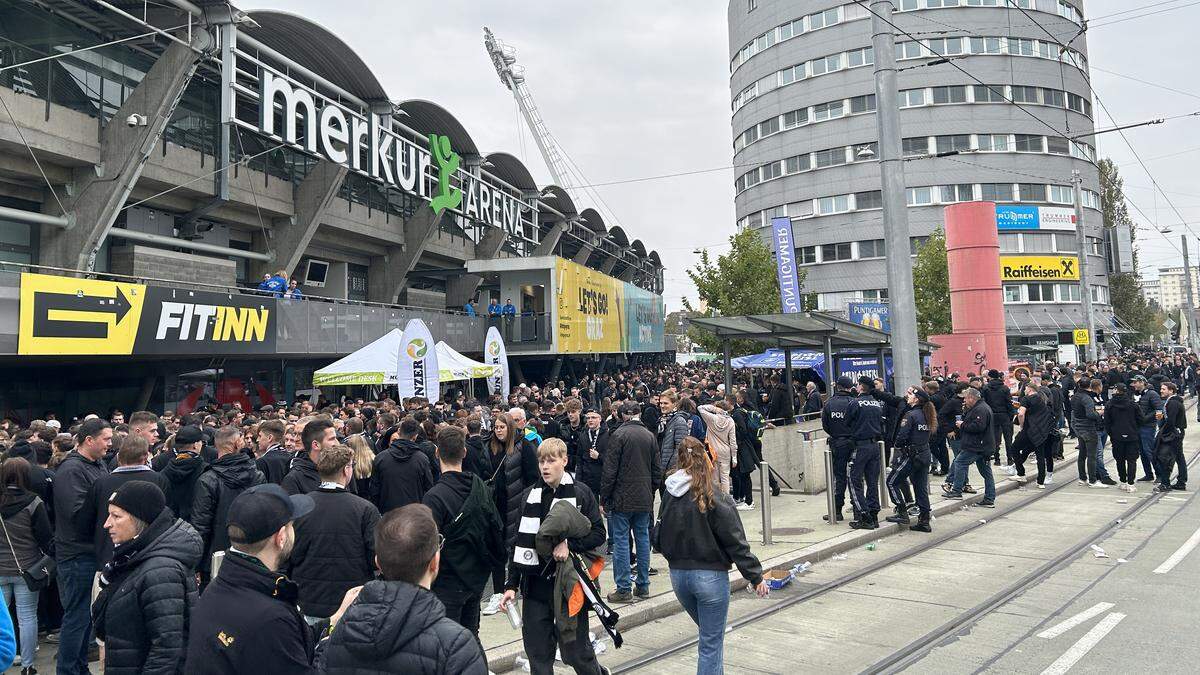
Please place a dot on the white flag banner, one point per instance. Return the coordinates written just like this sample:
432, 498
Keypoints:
417, 364
494, 354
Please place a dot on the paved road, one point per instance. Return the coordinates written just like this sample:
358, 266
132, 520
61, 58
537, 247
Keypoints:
1149, 618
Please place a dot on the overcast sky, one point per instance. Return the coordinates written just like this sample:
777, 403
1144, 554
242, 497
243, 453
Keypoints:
639, 89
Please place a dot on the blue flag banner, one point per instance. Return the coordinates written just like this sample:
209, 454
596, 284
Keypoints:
785, 261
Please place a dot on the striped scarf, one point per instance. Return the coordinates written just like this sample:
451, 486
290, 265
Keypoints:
525, 552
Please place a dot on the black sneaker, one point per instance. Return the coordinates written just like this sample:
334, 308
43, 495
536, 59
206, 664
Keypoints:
642, 592
620, 596
987, 504
1161, 488
953, 495
1147, 479
1180, 487
968, 489
1108, 481
775, 491
839, 517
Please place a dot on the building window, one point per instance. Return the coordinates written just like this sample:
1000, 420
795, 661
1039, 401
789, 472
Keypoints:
1028, 143
875, 295
862, 104
860, 57
795, 118
1024, 94
915, 147
1010, 242
946, 46
908, 50
910, 98
919, 196
835, 252
996, 192
963, 192
1038, 242
16, 241
1066, 243
915, 244
1040, 292
832, 157
1061, 194
829, 205
827, 111
959, 142
943, 95
806, 255
993, 143
989, 94
870, 248
1012, 293
1068, 292
985, 45
1057, 145
872, 199
1032, 192
797, 164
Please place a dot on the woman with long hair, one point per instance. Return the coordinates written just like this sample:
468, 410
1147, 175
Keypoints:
701, 536
912, 457
27, 537
514, 469
363, 459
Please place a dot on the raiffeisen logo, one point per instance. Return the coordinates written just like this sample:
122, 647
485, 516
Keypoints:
417, 348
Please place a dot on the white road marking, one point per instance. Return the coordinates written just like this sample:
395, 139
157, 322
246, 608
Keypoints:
1178, 556
1087, 614
1084, 645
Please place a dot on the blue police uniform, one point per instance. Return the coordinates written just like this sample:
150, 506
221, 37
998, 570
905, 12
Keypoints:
911, 462
836, 419
867, 431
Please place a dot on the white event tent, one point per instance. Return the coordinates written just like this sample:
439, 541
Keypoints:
376, 364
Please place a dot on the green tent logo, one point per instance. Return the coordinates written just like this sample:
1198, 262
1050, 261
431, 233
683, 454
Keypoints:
417, 348
447, 162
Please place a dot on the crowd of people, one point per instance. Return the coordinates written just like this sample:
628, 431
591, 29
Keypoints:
365, 535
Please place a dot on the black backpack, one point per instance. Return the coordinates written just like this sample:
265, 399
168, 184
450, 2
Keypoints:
475, 538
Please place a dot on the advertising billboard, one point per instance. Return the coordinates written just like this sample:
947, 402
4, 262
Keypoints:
1018, 217
870, 314
590, 311
643, 320
785, 265
1039, 268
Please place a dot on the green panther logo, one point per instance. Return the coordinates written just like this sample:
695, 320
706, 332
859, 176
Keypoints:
447, 163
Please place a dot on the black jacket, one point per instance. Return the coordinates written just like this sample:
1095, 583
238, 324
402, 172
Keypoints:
1039, 418
41, 478
1084, 417
335, 549
72, 481
518, 472
713, 540
631, 470
274, 464
466, 516
1148, 401
182, 473
29, 532
996, 394
779, 404
976, 429
587, 470
95, 508
219, 484
749, 446
400, 476
144, 624
1174, 422
476, 461
1122, 418
395, 627
302, 477
247, 622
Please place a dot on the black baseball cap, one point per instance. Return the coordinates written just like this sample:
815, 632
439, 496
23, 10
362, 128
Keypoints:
189, 434
630, 408
262, 510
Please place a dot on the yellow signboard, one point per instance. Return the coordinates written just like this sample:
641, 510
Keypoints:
1082, 337
1039, 268
61, 315
589, 310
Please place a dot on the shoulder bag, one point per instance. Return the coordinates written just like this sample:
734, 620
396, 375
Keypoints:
38, 575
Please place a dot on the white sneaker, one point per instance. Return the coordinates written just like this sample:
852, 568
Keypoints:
1083, 482
1016, 478
1097, 484
493, 605
1042, 486
743, 506
1131, 488
1049, 479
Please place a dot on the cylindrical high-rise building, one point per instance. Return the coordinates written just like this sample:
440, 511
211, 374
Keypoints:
804, 143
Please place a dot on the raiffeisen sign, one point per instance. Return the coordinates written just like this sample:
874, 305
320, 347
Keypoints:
366, 144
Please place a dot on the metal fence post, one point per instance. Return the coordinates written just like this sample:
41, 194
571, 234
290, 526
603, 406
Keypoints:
830, 497
764, 496
883, 468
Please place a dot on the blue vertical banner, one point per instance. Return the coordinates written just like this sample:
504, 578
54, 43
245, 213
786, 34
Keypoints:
785, 261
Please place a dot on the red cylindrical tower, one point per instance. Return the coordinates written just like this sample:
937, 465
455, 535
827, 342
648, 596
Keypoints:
973, 257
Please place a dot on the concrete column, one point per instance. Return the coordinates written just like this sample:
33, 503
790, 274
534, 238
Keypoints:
609, 264
99, 192
290, 236
463, 287
549, 244
585, 252
382, 284
388, 272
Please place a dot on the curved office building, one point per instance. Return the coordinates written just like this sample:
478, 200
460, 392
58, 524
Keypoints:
804, 141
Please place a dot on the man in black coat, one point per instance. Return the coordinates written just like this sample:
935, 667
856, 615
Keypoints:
182, 468
999, 399
591, 445
401, 474
335, 544
222, 481
302, 478
131, 465
466, 516
1170, 440
273, 461
977, 444
247, 620
631, 474
397, 625
74, 550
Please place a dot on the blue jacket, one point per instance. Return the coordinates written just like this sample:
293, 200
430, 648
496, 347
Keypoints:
913, 431
509, 310
494, 309
469, 309
276, 284
867, 425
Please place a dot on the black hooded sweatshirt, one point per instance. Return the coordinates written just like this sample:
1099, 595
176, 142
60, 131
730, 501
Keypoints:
400, 476
182, 473
302, 478
219, 484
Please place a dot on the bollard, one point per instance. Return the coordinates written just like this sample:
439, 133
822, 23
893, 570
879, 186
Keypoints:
830, 497
764, 492
883, 469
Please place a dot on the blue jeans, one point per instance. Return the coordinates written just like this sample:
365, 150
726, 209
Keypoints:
75, 577
962, 463
621, 523
704, 595
1147, 434
1101, 472
27, 616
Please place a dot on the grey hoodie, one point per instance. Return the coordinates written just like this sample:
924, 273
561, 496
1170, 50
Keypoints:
722, 434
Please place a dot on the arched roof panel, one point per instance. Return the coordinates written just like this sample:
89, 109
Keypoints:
655, 259
618, 236
639, 248
593, 220
427, 117
315, 48
558, 199
510, 170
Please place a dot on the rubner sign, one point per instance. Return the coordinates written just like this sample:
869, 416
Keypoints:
368, 145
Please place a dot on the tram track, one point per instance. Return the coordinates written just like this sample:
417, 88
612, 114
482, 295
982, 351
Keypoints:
915, 650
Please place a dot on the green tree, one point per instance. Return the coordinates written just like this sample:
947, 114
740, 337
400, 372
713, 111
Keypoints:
931, 286
1124, 289
738, 283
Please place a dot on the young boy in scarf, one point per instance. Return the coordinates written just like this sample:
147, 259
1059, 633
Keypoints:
534, 575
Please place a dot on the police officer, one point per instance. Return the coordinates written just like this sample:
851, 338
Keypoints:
912, 457
836, 420
866, 427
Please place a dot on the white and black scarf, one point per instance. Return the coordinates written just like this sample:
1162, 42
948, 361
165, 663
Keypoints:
525, 552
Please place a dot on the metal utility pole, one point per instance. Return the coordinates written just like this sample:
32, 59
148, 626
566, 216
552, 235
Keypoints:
906, 357
1190, 314
1085, 292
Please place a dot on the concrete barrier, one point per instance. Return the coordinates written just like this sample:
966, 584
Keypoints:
795, 452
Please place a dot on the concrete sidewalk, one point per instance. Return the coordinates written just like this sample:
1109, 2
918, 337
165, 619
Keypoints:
799, 535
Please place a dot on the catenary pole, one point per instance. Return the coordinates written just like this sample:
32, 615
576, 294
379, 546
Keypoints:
1190, 314
1085, 289
906, 360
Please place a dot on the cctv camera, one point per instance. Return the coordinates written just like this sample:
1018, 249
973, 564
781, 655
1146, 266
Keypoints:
136, 120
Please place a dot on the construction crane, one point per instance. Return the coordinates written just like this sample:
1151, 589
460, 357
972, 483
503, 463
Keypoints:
513, 77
